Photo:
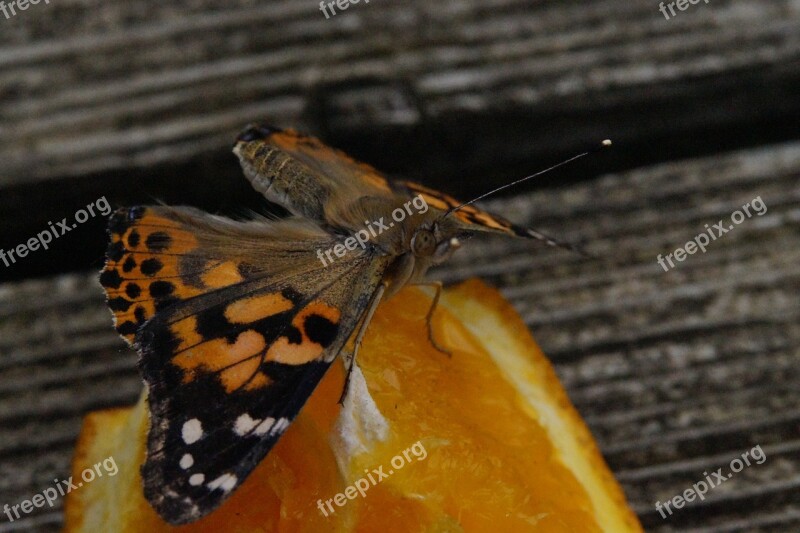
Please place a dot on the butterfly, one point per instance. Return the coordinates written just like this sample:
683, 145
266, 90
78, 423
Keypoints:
236, 321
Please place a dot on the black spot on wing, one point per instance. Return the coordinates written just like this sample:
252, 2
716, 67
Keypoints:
133, 291
158, 241
115, 251
160, 289
213, 324
151, 267
118, 222
119, 304
129, 264
320, 330
292, 334
133, 239
123, 218
127, 328
110, 279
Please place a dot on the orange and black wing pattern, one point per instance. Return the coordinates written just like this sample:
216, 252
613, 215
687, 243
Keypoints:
474, 219
229, 350
469, 215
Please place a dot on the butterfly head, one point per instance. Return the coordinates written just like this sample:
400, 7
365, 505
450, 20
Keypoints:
434, 245
417, 248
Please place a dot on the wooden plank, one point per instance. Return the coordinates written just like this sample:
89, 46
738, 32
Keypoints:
459, 94
533, 78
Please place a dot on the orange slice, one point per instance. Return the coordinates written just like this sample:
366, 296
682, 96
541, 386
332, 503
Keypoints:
485, 440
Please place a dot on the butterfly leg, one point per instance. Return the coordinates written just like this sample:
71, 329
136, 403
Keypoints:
362, 329
437, 285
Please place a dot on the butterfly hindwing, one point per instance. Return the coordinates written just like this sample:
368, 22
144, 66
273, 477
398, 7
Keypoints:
233, 350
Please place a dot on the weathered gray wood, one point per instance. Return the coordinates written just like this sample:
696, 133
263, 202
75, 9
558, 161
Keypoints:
125, 85
676, 373
140, 101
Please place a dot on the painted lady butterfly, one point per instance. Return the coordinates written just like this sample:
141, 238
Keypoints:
237, 321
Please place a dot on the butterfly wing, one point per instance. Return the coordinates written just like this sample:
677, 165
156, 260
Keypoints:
303, 174
314, 180
235, 323
472, 219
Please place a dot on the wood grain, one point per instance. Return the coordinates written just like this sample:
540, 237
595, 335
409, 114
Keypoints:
121, 86
676, 372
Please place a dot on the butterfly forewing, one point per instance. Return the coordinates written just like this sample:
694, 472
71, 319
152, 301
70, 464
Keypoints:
307, 177
229, 351
304, 175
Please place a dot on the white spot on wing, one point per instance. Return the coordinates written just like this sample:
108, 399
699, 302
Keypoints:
225, 482
192, 431
245, 424
279, 427
187, 461
265, 426
196, 479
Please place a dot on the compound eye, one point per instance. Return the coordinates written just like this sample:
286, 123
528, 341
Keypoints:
423, 243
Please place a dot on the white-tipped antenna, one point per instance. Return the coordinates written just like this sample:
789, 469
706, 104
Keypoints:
603, 144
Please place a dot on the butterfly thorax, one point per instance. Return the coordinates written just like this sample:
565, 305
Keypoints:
414, 238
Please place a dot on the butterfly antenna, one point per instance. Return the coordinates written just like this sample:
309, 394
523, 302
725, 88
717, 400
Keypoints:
600, 146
